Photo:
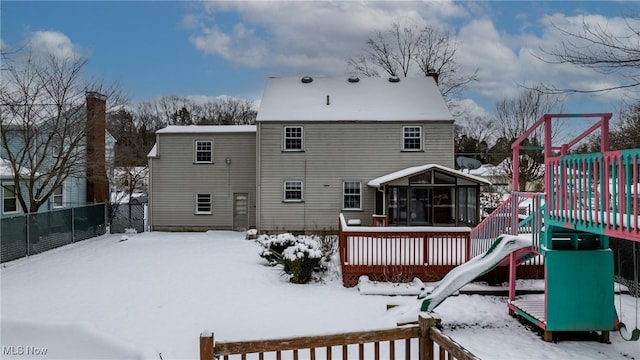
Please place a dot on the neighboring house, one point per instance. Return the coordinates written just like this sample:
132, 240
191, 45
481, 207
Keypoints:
323, 146
129, 180
203, 177
89, 184
501, 180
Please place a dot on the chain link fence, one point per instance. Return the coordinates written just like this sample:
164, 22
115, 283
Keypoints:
30, 234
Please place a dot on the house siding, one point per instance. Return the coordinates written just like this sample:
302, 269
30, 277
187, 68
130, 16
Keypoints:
74, 187
335, 152
175, 180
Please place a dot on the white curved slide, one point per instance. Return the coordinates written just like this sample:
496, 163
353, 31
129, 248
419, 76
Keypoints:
479, 265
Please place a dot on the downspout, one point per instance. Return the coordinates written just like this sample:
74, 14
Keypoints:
258, 178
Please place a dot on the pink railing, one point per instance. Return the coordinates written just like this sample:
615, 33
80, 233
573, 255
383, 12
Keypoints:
519, 214
596, 192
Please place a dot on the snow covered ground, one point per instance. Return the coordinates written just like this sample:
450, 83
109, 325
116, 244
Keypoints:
153, 294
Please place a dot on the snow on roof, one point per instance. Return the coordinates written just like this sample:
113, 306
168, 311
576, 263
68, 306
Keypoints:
191, 129
154, 151
418, 169
373, 98
6, 170
488, 170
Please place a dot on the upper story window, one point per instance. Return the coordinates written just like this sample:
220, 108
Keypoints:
203, 151
352, 195
204, 205
293, 191
412, 138
58, 197
9, 198
293, 138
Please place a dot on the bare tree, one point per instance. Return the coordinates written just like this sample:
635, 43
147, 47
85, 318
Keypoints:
174, 110
404, 46
626, 132
473, 138
513, 117
43, 123
234, 111
597, 47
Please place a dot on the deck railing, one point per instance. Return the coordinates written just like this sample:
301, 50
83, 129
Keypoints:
400, 253
596, 192
420, 341
521, 213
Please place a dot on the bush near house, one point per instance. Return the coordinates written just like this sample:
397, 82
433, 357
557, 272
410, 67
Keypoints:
274, 245
300, 256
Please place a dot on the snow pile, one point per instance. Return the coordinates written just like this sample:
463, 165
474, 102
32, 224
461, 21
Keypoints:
304, 247
368, 287
29, 340
158, 291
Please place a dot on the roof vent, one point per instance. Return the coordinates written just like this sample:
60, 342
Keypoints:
394, 79
354, 79
306, 79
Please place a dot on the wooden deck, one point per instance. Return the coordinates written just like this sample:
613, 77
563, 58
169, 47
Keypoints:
532, 309
399, 254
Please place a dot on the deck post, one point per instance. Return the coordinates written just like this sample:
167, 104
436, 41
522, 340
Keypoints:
426, 349
512, 276
206, 345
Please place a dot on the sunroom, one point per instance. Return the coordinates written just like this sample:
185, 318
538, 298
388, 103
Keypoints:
427, 195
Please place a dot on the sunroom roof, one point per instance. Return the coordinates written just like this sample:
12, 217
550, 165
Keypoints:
422, 168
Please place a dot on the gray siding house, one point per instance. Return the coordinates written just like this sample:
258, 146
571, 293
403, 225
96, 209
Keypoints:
203, 177
369, 148
322, 141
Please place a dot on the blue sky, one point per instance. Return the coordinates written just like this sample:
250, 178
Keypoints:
155, 48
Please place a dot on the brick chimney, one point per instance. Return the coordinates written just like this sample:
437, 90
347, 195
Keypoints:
97, 182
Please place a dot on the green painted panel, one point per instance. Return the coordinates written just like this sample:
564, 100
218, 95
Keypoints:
580, 294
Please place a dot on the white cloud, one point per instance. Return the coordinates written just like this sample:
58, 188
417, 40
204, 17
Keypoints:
54, 43
306, 36
311, 37
508, 61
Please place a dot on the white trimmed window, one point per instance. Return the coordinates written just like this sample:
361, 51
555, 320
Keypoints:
352, 195
58, 197
293, 191
293, 138
9, 199
203, 151
204, 204
412, 138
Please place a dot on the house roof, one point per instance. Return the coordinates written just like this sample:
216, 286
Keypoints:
418, 169
369, 99
153, 152
6, 170
195, 129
